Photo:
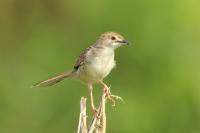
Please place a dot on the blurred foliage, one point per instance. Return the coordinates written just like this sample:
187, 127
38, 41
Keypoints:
158, 76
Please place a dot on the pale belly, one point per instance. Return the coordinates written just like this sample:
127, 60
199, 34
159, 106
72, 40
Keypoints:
97, 68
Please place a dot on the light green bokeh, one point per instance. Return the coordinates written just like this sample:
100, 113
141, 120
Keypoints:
158, 75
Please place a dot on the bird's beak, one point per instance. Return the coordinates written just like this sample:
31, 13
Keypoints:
125, 42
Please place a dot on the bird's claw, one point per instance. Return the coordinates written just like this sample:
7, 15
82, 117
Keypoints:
115, 97
118, 98
94, 110
112, 97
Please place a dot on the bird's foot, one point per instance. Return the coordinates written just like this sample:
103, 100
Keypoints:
94, 111
115, 97
111, 97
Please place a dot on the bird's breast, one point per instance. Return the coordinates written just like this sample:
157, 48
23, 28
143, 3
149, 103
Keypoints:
103, 65
100, 64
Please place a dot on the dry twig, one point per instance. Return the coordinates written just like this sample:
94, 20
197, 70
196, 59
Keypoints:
82, 126
98, 122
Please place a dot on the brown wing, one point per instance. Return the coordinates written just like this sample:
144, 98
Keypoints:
81, 58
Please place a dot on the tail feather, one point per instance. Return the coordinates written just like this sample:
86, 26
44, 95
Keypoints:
53, 80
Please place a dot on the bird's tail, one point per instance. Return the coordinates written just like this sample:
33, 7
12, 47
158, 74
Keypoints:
53, 80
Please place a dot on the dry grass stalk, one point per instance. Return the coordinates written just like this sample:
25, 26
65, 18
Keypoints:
82, 126
98, 123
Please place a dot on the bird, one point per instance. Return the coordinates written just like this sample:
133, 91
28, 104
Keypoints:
93, 64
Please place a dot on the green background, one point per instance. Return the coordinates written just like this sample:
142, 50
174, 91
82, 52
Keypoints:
158, 75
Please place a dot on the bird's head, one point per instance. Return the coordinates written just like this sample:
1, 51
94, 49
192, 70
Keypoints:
112, 40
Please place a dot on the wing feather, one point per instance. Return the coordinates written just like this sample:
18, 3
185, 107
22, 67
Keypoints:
82, 57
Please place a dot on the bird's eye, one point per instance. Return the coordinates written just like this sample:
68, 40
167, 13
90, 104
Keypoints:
113, 38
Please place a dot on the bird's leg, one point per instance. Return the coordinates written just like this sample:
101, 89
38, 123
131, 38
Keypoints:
106, 89
108, 94
94, 110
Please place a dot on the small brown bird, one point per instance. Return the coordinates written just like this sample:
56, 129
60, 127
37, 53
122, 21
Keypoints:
93, 64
